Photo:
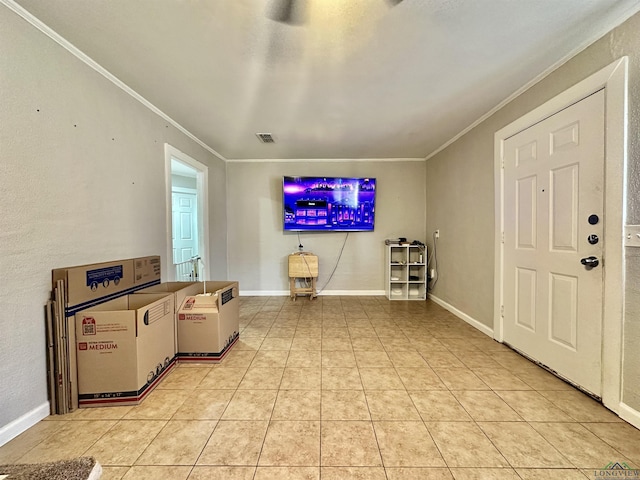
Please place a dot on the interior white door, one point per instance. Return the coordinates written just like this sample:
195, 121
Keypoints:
553, 207
185, 225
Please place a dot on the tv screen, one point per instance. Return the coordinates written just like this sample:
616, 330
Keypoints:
329, 204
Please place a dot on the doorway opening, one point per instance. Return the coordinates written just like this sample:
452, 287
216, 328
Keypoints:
187, 213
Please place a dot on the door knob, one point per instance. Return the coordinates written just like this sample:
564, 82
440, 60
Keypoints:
590, 262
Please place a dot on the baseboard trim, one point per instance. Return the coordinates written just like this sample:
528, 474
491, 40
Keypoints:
346, 293
263, 293
629, 415
12, 429
471, 321
327, 293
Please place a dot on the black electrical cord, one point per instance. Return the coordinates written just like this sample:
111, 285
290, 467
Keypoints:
336, 265
306, 279
435, 260
300, 249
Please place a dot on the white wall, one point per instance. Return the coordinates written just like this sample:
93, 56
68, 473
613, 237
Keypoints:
184, 182
460, 196
82, 176
258, 246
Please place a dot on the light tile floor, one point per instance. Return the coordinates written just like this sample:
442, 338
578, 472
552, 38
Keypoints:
343, 388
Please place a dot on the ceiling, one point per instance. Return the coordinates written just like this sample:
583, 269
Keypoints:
356, 79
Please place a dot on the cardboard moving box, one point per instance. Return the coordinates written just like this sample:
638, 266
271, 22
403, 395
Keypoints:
180, 290
209, 324
79, 288
124, 347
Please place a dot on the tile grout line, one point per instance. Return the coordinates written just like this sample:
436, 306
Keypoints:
403, 324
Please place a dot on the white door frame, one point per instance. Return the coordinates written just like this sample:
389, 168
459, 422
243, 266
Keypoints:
613, 79
202, 188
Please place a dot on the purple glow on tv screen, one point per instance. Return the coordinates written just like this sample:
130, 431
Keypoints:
329, 204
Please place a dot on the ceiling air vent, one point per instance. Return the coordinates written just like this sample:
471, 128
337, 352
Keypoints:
265, 137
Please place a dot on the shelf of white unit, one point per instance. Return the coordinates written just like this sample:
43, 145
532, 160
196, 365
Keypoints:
406, 272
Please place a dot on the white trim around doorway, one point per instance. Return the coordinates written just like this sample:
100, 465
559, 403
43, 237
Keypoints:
202, 188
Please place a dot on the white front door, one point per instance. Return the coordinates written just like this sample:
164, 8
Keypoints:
553, 219
185, 225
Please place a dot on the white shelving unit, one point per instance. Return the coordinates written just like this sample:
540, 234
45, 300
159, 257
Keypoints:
406, 272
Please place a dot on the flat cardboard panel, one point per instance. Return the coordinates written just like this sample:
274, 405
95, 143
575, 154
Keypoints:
124, 347
146, 269
51, 362
88, 283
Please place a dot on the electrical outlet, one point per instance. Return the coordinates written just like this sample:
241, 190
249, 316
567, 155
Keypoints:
437, 233
432, 273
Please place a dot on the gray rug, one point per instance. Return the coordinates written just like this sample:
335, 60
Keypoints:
84, 468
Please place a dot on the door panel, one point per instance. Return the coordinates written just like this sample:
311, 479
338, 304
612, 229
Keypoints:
526, 298
553, 181
527, 216
565, 137
564, 208
185, 226
562, 317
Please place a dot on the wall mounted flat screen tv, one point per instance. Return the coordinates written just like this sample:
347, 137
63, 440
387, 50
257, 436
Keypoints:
329, 204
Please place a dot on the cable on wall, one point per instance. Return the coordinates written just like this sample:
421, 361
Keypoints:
300, 247
336, 265
433, 256
306, 281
